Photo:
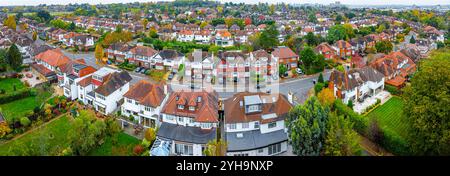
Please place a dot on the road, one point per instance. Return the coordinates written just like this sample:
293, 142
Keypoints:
299, 87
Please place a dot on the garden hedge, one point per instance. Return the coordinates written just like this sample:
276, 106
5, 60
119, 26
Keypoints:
12, 96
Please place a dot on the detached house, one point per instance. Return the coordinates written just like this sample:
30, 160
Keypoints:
344, 49
144, 102
396, 67
47, 63
327, 51
434, 34
185, 36
189, 122
172, 59
254, 124
223, 38
284, 55
70, 73
356, 84
233, 66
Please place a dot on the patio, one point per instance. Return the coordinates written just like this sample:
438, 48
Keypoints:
33, 79
360, 107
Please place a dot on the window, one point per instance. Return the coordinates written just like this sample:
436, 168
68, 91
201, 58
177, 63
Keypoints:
245, 125
232, 126
129, 100
206, 125
180, 119
146, 108
191, 108
136, 103
101, 97
169, 117
199, 99
274, 149
256, 125
183, 149
180, 106
253, 108
272, 124
260, 150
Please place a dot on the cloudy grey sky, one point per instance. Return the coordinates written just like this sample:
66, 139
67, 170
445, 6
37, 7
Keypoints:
358, 2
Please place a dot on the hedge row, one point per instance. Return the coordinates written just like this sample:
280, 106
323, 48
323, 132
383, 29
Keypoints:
393, 90
391, 141
12, 96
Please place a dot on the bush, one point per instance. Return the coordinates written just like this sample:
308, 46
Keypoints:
318, 87
16, 95
359, 122
394, 143
138, 149
24, 121
150, 135
393, 90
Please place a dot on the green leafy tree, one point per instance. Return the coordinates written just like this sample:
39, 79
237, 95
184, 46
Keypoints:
282, 69
412, 40
14, 57
335, 33
427, 102
307, 127
3, 60
86, 133
44, 16
216, 148
320, 79
311, 39
350, 104
269, 37
341, 140
24, 121
384, 46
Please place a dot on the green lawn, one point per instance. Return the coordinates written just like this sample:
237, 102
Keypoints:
20, 108
390, 116
7, 84
51, 137
124, 146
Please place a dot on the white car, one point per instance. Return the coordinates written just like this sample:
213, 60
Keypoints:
299, 71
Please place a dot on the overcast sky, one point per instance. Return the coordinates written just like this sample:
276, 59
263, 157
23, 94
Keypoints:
356, 2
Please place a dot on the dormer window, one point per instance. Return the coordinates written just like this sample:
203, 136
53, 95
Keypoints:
181, 107
177, 98
199, 99
191, 108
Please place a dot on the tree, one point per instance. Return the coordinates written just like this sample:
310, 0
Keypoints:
271, 9
10, 22
4, 130
412, 40
153, 33
350, 104
339, 18
229, 21
86, 133
99, 53
269, 37
247, 21
326, 97
72, 26
311, 60
312, 18
24, 121
375, 133
282, 69
144, 23
426, 106
150, 135
320, 79
348, 30
311, 39
44, 15
341, 140
14, 57
384, 46
3, 60
307, 127
34, 35
216, 148
335, 33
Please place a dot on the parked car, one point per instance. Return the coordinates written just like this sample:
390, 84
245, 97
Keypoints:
171, 75
137, 70
143, 71
299, 71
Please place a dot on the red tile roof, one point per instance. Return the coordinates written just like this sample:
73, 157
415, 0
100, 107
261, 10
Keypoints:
53, 57
284, 53
146, 93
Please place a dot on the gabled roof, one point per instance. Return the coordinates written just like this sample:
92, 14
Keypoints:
53, 57
146, 93
284, 53
143, 51
113, 82
169, 54
271, 104
205, 109
355, 77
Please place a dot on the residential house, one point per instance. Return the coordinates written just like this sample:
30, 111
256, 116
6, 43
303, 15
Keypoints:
396, 67
47, 63
145, 56
144, 102
434, 34
223, 38
172, 59
284, 55
356, 84
70, 73
186, 36
233, 66
255, 124
327, 51
344, 49
118, 52
109, 95
189, 122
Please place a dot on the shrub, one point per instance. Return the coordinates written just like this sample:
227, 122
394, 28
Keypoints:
391, 89
359, 122
16, 95
138, 149
350, 104
394, 143
150, 135
318, 87
24, 121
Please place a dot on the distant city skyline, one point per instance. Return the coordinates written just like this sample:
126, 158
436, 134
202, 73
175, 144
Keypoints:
348, 2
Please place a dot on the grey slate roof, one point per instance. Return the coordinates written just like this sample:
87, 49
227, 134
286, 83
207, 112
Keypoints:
186, 134
254, 140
